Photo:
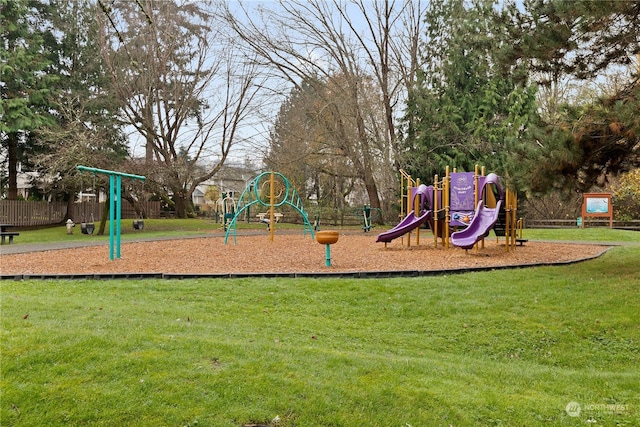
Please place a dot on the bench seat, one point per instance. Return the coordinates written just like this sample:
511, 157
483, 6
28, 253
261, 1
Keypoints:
9, 234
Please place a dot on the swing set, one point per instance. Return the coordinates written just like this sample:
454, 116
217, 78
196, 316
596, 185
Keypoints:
87, 227
115, 204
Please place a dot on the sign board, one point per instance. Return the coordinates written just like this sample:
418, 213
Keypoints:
597, 205
462, 198
463, 191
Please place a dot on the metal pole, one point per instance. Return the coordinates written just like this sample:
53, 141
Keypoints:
328, 256
118, 212
436, 210
111, 216
108, 172
446, 204
272, 221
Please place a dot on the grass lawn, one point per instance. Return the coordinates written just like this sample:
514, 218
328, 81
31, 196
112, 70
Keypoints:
152, 228
186, 227
508, 347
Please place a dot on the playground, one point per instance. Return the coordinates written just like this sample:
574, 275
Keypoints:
290, 252
469, 200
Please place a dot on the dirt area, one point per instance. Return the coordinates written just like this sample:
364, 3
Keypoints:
290, 253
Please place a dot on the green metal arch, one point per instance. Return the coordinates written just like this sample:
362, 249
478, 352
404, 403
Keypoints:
258, 183
250, 196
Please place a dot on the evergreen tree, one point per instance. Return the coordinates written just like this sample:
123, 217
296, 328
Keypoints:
86, 130
581, 144
26, 84
468, 107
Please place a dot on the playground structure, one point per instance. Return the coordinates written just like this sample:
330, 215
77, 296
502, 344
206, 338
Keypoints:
115, 204
461, 209
271, 190
409, 206
327, 238
87, 227
225, 208
422, 200
367, 215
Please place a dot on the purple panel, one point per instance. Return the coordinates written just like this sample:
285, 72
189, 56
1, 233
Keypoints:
462, 191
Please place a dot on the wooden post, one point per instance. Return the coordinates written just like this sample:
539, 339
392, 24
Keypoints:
435, 212
272, 222
446, 203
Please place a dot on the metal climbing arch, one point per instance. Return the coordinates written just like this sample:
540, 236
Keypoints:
270, 189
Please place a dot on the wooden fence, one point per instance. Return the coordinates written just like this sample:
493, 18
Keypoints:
28, 213
572, 223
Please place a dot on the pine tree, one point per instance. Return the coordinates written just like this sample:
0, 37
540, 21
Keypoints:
468, 108
581, 143
26, 83
85, 130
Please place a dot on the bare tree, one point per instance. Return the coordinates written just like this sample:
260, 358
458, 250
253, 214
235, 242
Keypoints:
182, 86
76, 141
345, 45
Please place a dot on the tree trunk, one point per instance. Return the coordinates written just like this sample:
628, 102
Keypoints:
372, 190
105, 215
12, 148
70, 203
367, 163
181, 203
149, 136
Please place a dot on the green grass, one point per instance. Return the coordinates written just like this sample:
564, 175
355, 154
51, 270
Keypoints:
592, 234
509, 347
186, 227
152, 228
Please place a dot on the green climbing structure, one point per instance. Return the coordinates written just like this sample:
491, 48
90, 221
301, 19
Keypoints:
256, 192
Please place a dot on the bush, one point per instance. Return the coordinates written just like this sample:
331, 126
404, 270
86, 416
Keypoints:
626, 196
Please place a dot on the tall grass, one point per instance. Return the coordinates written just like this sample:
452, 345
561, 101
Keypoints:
509, 347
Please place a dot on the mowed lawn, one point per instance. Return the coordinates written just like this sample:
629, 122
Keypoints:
525, 347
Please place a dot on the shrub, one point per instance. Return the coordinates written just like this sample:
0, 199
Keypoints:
626, 196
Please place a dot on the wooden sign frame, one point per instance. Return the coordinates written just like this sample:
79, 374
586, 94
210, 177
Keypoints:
597, 205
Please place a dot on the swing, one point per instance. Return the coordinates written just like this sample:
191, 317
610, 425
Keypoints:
87, 227
138, 224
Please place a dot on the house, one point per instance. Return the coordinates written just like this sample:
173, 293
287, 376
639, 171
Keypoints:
24, 181
231, 179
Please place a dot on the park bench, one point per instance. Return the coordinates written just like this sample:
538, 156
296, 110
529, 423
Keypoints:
262, 217
9, 234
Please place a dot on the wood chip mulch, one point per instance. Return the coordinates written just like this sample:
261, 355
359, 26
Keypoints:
289, 253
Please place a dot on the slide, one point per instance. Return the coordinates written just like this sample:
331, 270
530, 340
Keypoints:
479, 227
409, 223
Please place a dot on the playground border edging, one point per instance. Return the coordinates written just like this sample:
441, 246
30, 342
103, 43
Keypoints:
291, 275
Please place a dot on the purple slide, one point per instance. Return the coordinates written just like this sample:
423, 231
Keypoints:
482, 222
412, 221
409, 223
